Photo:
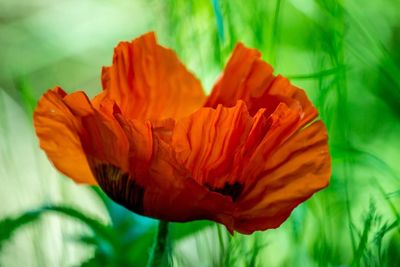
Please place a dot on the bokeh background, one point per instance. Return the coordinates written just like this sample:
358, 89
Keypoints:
344, 53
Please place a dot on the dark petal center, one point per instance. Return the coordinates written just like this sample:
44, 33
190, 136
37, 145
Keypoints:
120, 187
233, 190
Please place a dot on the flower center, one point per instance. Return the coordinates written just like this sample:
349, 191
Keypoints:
233, 190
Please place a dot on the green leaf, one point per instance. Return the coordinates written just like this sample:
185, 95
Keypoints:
9, 225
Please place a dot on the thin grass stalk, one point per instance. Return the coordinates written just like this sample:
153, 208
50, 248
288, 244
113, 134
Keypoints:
157, 256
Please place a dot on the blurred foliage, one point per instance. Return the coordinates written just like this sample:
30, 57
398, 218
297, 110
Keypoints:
345, 56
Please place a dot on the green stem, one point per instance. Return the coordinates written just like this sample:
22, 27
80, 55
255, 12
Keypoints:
160, 245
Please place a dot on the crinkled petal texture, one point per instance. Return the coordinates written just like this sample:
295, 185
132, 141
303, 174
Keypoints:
58, 132
245, 157
147, 81
131, 160
290, 159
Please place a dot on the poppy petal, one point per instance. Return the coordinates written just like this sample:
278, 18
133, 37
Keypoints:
292, 172
214, 143
245, 157
107, 149
251, 79
148, 81
103, 140
168, 190
281, 125
208, 143
172, 194
58, 131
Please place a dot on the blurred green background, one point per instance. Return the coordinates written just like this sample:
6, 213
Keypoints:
345, 54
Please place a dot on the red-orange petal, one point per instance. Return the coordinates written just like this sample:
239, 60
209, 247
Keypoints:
148, 81
166, 187
210, 143
245, 159
58, 131
288, 174
103, 139
249, 78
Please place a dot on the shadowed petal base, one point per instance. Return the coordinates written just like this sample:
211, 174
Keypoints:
120, 187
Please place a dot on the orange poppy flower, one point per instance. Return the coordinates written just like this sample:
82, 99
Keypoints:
245, 156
